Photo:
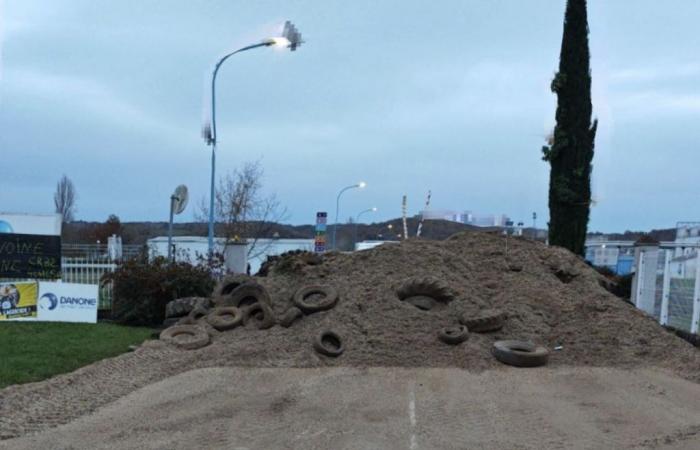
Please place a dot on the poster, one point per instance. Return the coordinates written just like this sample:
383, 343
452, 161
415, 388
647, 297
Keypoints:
32, 256
67, 302
18, 300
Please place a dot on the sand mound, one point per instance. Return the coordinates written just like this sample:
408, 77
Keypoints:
550, 296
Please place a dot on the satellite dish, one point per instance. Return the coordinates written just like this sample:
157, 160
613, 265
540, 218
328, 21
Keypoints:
179, 199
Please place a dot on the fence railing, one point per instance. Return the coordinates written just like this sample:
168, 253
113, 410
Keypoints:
86, 264
667, 285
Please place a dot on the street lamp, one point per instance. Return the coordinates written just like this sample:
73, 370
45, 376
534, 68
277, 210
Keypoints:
360, 185
291, 39
357, 219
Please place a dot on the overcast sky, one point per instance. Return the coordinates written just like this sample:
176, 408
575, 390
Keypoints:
451, 96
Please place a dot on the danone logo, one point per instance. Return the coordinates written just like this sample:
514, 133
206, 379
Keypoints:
79, 302
48, 301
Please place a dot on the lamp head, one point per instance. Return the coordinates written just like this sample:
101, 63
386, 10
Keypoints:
361, 184
290, 38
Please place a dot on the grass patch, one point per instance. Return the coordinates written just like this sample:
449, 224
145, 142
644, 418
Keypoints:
33, 351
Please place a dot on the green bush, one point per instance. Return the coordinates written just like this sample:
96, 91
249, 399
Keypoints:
142, 288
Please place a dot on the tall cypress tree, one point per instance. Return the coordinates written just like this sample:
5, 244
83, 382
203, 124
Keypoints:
571, 149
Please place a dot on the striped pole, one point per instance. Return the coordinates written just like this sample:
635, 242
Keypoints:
422, 216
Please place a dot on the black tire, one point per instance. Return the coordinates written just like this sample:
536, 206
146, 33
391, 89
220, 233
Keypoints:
224, 318
188, 337
229, 283
485, 321
329, 294
290, 316
520, 353
246, 294
260, 315
421, 302
425, 286
454, 335
170, 321
329, 343
183, 306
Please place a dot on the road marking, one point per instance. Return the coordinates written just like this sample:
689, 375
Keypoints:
412, 417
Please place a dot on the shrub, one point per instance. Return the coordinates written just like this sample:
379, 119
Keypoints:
142, 288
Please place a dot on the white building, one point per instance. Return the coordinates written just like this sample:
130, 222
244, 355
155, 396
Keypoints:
467, 217
237, 256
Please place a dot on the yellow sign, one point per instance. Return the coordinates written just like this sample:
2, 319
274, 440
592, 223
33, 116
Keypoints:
18, 300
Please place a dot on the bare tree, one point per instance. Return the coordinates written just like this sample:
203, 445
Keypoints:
241, 210
64, 199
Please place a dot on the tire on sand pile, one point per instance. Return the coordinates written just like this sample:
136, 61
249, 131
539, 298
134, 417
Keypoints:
246, 294
188, 337
228, 284
183, 306
259, 314
224, 318
520, 353
453, 335
485, 321
329, 343
329, 298
425, 286
290, 316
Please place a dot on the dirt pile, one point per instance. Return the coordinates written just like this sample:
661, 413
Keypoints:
550, 297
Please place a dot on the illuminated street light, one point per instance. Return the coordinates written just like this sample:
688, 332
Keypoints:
357, 220
291, 39
360, 185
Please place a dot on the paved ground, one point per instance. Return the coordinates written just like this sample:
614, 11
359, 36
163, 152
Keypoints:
387, 408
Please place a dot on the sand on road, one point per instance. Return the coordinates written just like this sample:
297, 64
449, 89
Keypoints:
392, 408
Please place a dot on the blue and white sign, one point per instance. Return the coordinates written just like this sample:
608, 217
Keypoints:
67, 302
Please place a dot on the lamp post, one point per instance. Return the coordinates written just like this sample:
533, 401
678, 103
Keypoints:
359, 185
357, 219
291, 38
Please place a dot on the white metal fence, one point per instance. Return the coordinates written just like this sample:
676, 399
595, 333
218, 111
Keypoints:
667, 285
86, 264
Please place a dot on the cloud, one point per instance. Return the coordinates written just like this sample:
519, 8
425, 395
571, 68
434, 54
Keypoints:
84, 97
660, 72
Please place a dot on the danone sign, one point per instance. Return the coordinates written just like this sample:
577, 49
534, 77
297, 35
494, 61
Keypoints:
67, 302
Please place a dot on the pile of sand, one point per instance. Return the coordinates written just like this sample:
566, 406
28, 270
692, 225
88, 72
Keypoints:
551, 297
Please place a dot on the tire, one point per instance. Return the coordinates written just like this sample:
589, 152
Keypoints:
454, 335
188, 337
485, 321
183, 306
229, 283
245, 295
520, 353
224, 318
170, 321
421, 302
290, 316
425, 286
330, 298
329, 343
260, 315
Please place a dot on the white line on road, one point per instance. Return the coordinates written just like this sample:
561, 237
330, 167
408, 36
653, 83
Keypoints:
412, 417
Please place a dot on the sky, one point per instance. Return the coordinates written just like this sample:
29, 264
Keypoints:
409, 96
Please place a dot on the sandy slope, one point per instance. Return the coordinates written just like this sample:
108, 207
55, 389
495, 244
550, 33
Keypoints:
347, 408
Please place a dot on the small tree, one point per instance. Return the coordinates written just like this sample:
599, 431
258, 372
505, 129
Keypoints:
104, 230
64, 199
570, 152
241, 210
